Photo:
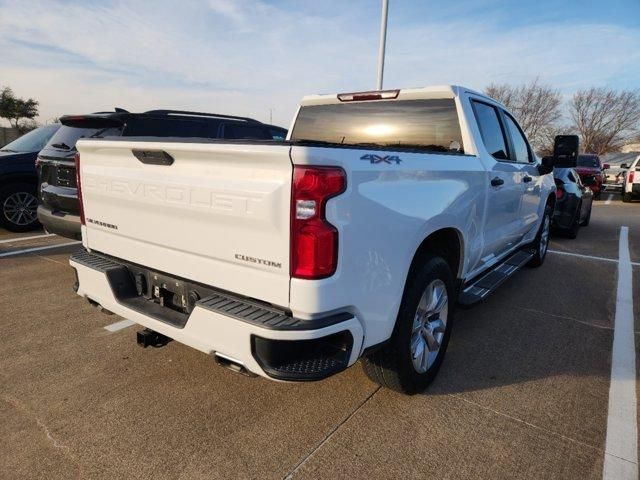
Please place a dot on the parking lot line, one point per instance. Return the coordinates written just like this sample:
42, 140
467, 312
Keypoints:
37, 249
22, 239
609, 198
621, 450
591, 257
121, 325
309, 455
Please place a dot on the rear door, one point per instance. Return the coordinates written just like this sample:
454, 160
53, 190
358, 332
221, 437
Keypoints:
502, 228
214, 213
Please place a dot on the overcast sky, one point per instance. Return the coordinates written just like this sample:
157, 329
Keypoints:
244, 57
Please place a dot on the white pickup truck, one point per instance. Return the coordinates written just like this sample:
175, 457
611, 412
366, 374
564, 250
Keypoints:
355, 237
631, 180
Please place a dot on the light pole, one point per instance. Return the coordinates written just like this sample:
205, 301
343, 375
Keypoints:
383, 41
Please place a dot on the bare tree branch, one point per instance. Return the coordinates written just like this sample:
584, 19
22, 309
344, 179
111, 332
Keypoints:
606, 119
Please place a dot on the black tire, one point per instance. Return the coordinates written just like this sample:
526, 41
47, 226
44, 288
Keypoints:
585, 222
21, 221
541, 253
392, 365
575, 226
626, 197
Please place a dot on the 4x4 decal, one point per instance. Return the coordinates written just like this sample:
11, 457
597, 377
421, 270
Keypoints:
381, 158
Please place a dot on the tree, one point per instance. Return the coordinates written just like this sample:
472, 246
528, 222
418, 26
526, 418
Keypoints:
548, 138
15, 109
535, 106
27, 126
606, 119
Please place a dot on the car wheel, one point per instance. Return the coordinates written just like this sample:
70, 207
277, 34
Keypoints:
541, 243
585, 222
409, 362
626, 197
18, 207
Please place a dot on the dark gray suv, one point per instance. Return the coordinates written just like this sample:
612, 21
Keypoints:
58, 208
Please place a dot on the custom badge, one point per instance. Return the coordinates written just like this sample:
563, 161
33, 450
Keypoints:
390, 159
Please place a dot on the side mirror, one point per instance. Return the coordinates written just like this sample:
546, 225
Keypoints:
565, 151
589, 181
606, 166
546, 165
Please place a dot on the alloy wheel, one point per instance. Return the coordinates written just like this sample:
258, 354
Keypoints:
544, 236
429, 325
20, 208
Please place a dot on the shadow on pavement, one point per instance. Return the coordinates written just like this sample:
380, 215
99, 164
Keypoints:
551, 322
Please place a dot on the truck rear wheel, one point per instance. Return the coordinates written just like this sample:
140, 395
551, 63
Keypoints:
409, 362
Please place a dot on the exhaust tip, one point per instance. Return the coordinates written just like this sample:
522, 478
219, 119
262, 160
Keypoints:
233, 365
99, 307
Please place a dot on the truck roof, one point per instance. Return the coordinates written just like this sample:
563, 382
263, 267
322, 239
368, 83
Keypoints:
435, 91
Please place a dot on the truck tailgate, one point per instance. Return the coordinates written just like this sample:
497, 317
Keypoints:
217, 215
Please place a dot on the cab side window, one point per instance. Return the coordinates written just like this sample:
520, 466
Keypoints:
239, 130
520, 148
490, 129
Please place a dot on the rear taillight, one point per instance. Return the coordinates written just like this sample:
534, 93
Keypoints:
79, 188
314, 241
631, 176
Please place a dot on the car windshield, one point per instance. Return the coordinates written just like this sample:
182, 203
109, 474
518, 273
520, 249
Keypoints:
588, 161
429, 125
34, 141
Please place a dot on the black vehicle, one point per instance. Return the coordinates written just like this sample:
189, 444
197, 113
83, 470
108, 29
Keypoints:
573, 201
59, 210
19, 180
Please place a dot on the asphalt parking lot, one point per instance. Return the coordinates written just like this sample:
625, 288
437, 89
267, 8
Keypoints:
523, 393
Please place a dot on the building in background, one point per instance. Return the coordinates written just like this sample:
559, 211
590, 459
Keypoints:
8, 135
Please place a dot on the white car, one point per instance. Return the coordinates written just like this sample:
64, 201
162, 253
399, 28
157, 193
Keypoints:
631, 180
355, 237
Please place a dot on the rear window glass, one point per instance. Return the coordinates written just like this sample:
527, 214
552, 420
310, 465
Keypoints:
429, 125
490, 130
66, 137
588, 161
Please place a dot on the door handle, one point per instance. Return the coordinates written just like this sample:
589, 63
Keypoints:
153, 157
496, 182
527, 179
